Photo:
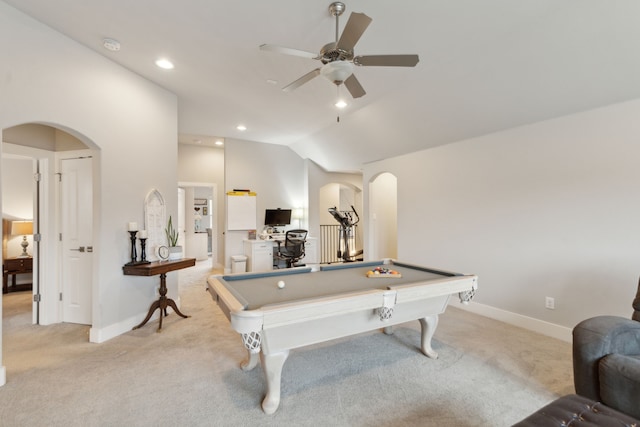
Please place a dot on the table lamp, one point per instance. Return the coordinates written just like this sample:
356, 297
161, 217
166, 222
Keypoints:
22, 228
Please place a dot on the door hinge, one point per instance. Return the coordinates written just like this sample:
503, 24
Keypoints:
37, 176
37, 298
37, 237
60, 237
60, 296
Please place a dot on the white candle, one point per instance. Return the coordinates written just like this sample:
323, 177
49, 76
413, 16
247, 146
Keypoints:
142, 234
133, 226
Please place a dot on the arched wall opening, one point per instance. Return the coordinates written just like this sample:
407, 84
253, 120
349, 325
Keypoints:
44, 146
345, 197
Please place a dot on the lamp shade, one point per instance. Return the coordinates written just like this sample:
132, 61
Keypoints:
21, 228
337, 72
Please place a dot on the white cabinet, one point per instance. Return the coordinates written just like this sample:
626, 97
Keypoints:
259, 255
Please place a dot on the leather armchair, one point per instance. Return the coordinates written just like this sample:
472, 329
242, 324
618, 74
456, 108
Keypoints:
606, 360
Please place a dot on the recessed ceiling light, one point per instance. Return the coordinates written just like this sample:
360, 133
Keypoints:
241, 128
219, 143
111, 44
165, 64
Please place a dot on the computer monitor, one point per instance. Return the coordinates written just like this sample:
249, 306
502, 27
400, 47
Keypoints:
277, 217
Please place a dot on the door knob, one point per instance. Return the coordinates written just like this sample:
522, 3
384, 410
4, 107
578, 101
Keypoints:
80, 249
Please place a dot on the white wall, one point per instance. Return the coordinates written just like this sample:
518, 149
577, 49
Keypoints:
329, 197
17, 198
130, 123
383, 217
549, 209
273, 171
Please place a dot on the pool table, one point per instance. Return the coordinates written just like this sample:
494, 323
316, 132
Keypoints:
329, 302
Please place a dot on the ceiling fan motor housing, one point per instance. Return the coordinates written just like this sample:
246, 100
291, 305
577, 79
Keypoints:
330, 53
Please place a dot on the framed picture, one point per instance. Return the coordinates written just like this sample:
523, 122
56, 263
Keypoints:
199, 201
204, 211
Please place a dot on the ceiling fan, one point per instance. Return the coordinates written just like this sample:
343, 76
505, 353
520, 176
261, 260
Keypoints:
338, 58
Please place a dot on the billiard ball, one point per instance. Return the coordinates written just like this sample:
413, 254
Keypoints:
280, 284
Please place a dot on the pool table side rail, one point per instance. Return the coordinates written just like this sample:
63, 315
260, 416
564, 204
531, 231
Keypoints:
389, 262
248, 276
229, 302
435, 287
276, 315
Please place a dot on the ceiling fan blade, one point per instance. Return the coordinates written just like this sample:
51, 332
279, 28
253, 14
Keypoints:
357, 23
386, 60
353, 86
302, 80
288, 51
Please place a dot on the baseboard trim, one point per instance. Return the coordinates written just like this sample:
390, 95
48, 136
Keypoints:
104, 334
540, 326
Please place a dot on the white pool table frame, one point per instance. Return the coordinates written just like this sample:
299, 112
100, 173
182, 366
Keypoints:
270, 332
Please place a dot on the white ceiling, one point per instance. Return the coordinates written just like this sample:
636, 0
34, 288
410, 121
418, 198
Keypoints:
484, 66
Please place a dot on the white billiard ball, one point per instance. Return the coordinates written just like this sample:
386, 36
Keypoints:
280, 284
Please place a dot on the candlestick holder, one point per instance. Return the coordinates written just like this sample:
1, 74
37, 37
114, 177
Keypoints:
134, 255
143, 253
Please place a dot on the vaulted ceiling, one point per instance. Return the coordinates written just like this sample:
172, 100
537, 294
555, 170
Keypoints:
484, 66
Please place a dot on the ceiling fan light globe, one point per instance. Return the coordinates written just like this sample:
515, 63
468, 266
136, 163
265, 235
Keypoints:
337, 71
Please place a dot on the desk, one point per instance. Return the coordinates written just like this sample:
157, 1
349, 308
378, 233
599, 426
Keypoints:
260, 252
12, 267
161, 268
336, 301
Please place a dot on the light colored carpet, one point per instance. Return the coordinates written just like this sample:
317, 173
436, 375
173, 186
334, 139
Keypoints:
488, 373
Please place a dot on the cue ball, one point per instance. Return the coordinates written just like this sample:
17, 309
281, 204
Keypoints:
280, 284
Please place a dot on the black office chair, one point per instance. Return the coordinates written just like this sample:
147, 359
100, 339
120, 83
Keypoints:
292, 249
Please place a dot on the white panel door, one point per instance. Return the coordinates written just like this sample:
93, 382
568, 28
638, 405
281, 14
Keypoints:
77, 246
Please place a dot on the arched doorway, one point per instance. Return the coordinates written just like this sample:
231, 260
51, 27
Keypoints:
51, 149
345, 198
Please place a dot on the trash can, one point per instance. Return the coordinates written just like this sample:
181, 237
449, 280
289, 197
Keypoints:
238, 263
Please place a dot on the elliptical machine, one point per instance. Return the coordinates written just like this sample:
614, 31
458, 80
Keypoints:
346, 219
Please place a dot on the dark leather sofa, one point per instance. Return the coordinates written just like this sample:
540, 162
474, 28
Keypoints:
606, 375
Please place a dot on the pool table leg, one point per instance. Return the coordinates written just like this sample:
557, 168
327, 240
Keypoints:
428, 326
272, 365
251, 361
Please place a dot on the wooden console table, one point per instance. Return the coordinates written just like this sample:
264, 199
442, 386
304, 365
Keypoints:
14, 266
161, 268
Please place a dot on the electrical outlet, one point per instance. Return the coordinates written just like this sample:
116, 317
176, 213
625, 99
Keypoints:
549, 303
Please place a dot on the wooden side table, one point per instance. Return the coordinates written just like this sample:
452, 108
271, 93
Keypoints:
161, 268
12, 267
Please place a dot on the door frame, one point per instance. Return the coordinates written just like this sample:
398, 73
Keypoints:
44, 252
216, 216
